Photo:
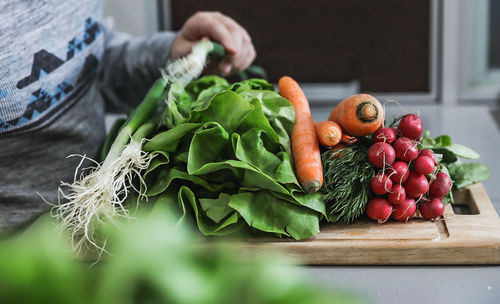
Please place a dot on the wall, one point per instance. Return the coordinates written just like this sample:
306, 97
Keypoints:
136, 17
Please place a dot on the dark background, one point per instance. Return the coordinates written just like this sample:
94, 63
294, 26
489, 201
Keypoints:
494, 34
385, 45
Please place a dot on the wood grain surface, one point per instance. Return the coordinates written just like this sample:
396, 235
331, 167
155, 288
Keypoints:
454, 239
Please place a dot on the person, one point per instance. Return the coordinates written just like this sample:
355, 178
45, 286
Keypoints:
62, 67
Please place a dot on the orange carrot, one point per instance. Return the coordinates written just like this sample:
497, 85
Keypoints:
358, 115
348, 139
305, 149
328, 133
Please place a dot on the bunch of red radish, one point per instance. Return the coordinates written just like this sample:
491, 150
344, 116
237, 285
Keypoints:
408, 178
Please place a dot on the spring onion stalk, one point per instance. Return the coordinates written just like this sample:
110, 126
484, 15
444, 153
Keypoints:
99, 196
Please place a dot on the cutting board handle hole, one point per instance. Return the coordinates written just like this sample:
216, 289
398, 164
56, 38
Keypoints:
461, 209
465, 203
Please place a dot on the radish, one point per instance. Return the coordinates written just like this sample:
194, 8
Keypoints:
404, 211
397, 194
432, 208
387, 135
399, 172
379, 209
440, 186
424, 165
380, 184
429, 153
381, 154
416, 184
411, 126
406, 149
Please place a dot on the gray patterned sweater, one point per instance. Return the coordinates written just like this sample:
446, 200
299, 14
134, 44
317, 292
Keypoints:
61, 69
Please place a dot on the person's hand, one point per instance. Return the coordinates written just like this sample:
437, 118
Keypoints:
217, 27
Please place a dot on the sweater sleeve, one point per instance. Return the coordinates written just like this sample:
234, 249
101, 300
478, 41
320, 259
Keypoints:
129, 67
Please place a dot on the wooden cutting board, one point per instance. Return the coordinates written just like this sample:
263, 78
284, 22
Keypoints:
456, 238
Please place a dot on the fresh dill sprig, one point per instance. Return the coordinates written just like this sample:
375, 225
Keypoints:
395, 120
346, 187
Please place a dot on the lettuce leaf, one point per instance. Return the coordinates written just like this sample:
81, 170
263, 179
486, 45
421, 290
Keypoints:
224, 161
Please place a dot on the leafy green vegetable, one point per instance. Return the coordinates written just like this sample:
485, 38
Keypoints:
217, 208
152, 261
468, 174
462, 151
267, 212
461, 174
225, 151
36, 267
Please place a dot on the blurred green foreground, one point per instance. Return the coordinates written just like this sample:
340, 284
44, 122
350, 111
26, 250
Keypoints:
151, 261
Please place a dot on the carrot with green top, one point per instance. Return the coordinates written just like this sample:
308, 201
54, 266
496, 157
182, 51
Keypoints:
305, 149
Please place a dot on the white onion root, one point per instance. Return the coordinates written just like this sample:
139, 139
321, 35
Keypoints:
99, 196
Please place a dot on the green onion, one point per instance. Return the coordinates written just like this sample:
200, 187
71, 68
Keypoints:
100, 195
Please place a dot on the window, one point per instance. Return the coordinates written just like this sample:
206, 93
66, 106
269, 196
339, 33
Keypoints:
480, 50
336, 48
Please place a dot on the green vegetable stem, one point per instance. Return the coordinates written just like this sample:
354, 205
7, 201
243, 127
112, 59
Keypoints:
138, 117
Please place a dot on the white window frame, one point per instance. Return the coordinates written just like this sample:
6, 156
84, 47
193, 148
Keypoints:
466, 76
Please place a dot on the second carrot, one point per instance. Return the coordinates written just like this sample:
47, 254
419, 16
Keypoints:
305, 149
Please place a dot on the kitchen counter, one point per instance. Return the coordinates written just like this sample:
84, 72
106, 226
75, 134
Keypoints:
473, 126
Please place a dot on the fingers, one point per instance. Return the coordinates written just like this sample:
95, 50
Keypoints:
238, 62
204, 24
181, 47
249, 57
240, 35
233, 37
225, 67
221, 33
245, 51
